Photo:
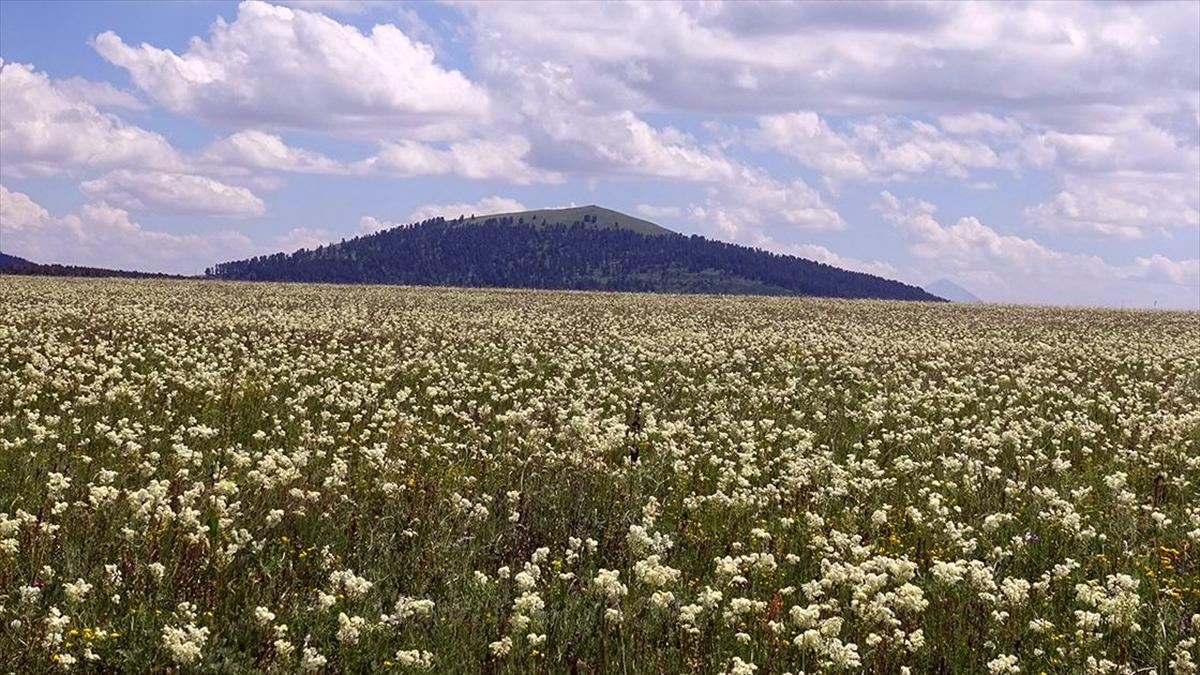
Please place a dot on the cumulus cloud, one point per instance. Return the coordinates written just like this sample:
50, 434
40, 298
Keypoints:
336, 6
161, 192
1124, 181
1129, 144
822, 254
939, 58
17, 210
1072, 89
1185, 273
260, 150
877, 149
1099, 102
621, 144
979, 124
99, 94
486, 206
651, 211
747, 207
502, 158
303, 237
371, 224
1019, 269
290, 68
102, 235
1121, 207
48, 128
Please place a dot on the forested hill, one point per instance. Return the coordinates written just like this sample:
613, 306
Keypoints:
579, 248
11, 264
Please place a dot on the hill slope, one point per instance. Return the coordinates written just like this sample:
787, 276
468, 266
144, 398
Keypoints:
577, 248
7, 261
11, 264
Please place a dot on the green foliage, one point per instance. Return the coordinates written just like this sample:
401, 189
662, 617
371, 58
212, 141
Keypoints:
584, 248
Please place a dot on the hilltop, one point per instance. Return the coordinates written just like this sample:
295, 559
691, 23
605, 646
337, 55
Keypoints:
592, 216
586, 248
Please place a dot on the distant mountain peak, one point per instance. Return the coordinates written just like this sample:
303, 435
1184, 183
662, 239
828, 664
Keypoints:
944, 288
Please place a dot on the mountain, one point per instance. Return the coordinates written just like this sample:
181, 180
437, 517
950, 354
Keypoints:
11, 264
586, 248
944, 288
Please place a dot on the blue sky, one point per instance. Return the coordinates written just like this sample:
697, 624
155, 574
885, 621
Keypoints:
1034, 153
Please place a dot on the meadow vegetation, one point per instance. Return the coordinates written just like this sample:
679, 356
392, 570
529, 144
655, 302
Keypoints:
231, 477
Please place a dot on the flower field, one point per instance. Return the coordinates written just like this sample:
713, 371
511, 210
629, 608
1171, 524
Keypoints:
219, 477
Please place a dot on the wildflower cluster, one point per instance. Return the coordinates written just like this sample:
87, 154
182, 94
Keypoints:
202, 476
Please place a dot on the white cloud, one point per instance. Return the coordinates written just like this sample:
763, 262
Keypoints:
17, 210
747, 207
1124, 181
99, 94
619, 144
484, 207
336, 6
651, 211
1098, 101
371, 224
1120, 182
877, 149
879, 268
1016, 269
290, 68
503, 158
979, 124
1076, 90
638, 148
260, 150
45, 129
1121, 208
303, 237
623, 144
100, 235
1160, 268
161, 192
1041, 59
1129, 144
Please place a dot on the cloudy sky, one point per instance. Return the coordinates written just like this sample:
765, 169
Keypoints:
1041, 153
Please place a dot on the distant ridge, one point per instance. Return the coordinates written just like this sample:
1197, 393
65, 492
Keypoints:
951, 291
594, 216
585, 248
7, 261
11, 264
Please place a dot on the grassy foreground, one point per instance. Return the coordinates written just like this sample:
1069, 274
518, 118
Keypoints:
219, 477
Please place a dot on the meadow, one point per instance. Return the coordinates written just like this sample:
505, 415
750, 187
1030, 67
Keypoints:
222, 477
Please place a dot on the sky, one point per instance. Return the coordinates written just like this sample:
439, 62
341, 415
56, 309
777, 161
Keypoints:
1031, 153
